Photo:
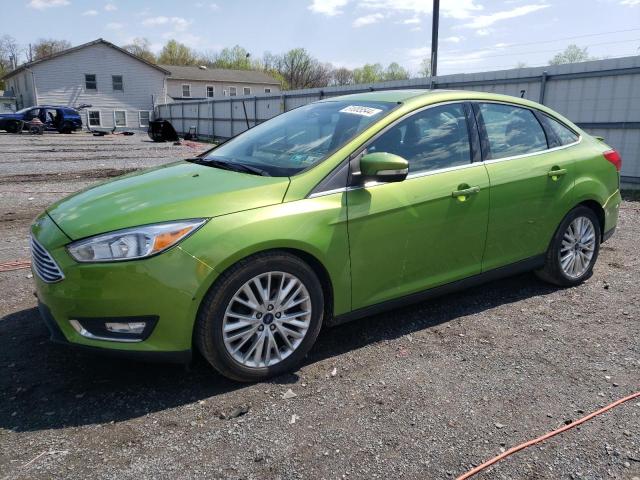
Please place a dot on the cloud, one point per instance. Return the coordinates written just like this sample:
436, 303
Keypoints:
630, 3
328, 7
367, 20
90, 13
179, 24
483, 32
453, 39
214, 6
114, 26
461, 9
110, 7
42, 4
484, 21
411, 21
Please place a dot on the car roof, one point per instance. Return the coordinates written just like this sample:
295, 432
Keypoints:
416, 98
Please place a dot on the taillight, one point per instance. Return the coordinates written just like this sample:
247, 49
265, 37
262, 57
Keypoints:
615, 158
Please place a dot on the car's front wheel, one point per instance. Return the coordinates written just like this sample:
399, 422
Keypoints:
574, 249
261, 317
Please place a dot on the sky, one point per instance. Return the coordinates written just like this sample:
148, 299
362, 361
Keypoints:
475, 35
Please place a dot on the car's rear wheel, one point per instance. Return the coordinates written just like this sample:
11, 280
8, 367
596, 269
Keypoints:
261, 317
574, 249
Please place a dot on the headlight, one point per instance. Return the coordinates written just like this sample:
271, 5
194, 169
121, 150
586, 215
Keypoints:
132, 243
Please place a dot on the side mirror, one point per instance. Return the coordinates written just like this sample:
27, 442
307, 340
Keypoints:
384, 167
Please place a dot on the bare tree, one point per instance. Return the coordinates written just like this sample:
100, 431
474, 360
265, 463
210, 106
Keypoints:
342, 76
301, 70
425, 68
141, 47
9, 53
45, 47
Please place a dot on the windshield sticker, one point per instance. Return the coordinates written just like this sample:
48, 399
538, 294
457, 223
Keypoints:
359, 110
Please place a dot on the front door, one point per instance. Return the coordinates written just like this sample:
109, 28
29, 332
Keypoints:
429, 229
531, 181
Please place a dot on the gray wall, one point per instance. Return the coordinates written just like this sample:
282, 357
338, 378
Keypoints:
60, 81
602, 96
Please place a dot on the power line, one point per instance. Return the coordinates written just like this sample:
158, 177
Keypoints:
546, 51
485, 68
552, 41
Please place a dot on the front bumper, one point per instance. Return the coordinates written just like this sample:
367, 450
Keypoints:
168, 287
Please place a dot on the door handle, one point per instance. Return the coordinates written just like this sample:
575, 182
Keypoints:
554, 174
464, 193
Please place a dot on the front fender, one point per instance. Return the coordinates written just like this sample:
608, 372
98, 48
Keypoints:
315, 226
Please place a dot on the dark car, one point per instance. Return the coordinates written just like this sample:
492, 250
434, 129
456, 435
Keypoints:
62, 119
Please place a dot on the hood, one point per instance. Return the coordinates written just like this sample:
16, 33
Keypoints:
176, 191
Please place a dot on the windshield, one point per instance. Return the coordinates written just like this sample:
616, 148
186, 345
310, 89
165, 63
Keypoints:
300, 138
24, 110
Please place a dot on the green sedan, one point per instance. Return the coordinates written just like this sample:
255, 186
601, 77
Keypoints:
333, 211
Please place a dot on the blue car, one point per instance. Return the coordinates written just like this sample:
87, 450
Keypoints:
62, 119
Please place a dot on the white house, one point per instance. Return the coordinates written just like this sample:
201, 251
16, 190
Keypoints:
121, 88
198, 83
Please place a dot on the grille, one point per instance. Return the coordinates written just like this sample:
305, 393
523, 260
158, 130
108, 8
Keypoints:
43, 264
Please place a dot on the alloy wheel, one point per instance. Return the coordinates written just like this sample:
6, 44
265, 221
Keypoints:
267, 319
578, 247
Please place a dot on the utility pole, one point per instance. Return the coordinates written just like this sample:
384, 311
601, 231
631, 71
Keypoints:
434, 39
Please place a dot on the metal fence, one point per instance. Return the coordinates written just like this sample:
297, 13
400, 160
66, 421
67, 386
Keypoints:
602, 96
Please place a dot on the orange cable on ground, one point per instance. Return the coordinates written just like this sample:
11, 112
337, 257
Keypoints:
14, 265
524, 445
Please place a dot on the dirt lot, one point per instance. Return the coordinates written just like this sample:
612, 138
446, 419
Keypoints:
423, 392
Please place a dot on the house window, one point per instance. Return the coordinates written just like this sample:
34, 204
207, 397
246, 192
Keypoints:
117, 82
233, 91
90, 82
210, 91
143, 116
267, 90
246, 90
120, 118
186, 90
94, 118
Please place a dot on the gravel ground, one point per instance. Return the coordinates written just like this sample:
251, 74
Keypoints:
427, 391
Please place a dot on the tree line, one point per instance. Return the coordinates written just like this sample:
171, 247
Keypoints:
295, 69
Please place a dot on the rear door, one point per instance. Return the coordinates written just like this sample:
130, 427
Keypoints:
429, 229
531, 175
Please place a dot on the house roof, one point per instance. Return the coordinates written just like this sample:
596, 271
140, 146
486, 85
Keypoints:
218, 75
79, 47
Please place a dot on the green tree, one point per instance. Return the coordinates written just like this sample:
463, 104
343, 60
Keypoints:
235, 58
572, 54
141, 47
176, 53
395, 72
368, 73
46, 47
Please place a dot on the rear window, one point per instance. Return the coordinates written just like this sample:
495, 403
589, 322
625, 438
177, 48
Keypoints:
511, 130
560, 135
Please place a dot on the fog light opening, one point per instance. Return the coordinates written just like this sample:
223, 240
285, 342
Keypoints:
115, 329
130, 327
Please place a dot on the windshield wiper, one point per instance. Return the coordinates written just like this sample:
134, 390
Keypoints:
236, 167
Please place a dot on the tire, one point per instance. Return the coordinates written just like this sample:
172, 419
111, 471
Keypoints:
12, 127
553, 270
225, 299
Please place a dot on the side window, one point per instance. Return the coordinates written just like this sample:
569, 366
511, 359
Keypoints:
117, 83
430, 140
90, 82
511, 130
563, 136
